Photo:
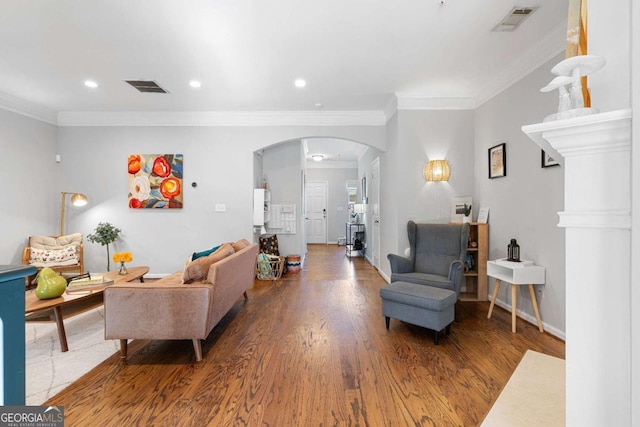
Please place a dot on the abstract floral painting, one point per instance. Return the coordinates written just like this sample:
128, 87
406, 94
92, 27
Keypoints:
155, 181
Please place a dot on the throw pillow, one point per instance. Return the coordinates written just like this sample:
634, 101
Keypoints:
240, 244
49, 257
197, 255
269, 245
198, 269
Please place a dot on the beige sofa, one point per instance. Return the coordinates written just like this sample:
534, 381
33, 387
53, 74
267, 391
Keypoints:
170, 309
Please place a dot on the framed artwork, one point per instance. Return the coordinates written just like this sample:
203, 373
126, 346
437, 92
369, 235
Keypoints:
498, 161
483, 215
547, 160
457, 208
155, 181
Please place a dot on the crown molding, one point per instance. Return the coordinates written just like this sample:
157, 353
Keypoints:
427, 101
26, 108
221, 118
391, 108
553, 44
550, 46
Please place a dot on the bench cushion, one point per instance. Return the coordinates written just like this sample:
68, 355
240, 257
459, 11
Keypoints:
430, 298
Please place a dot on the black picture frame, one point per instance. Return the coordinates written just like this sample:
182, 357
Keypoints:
546, 161
498, 161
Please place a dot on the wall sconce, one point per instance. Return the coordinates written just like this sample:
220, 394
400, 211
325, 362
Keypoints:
77, 199
437, 170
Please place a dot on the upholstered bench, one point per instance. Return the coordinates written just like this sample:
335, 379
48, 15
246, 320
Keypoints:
421, 305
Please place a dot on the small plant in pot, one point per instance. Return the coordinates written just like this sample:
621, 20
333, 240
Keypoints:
104, 234
467, 213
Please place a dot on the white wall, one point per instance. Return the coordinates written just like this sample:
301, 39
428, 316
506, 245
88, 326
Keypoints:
30, 197
221, 161
364, 171
414, 137
524, 204
389, 198
282, 170
635, 208
337, 209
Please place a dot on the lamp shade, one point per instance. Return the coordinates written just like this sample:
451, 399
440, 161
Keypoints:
437, 170
78, 199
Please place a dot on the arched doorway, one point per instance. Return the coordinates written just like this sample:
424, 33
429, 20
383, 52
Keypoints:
287, 168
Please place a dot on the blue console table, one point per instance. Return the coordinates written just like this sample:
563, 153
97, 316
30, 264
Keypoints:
12, 330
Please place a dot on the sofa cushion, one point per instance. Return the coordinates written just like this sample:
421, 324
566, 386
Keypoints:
48, 242
198, 269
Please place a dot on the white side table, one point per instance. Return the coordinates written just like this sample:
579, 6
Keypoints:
516, 273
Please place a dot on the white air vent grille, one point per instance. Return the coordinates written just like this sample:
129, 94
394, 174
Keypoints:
514, 18
146, 86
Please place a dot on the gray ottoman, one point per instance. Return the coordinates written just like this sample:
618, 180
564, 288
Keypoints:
421, 305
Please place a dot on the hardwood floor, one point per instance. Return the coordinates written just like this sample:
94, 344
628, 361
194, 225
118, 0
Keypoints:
311, 349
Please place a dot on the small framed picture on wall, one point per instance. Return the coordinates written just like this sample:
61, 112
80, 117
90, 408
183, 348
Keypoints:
498, 161
547, 160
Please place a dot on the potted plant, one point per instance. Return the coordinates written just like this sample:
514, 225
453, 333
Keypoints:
104, 234
467, 213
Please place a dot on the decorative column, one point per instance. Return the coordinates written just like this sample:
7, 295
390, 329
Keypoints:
597, 217
12, 330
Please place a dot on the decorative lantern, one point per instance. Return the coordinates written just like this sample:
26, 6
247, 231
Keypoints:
513, 251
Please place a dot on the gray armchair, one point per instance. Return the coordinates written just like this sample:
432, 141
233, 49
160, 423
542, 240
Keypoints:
438, 252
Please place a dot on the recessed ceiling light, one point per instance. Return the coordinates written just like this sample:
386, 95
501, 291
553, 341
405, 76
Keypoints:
300, 83
91, 84
317, 157
195, 84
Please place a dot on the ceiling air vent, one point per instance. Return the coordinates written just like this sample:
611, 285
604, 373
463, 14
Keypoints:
146, 86
514, 18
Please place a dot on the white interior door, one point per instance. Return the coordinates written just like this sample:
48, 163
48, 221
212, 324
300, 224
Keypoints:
316, 211
374, 204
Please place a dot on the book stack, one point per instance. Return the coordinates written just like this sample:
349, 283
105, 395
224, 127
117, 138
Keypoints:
88, 284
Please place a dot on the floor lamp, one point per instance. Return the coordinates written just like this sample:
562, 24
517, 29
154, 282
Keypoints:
77, 199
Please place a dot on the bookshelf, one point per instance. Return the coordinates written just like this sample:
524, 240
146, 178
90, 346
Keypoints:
475, 283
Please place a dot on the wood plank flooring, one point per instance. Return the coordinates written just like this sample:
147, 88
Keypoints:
311, 349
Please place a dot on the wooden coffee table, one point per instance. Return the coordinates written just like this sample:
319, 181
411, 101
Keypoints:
33, 304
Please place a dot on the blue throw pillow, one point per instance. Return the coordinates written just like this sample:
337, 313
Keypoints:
197, 255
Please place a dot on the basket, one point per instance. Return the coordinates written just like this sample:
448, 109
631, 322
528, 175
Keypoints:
269, 267
293, 263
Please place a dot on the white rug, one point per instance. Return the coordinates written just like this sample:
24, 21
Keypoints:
49, 370
533, 396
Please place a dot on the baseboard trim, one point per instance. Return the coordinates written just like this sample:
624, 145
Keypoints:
532, 319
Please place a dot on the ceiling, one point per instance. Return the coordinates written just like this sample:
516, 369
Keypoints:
357, 57
335, 152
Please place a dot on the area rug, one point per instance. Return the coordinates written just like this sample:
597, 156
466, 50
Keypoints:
49, 370
534, 395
